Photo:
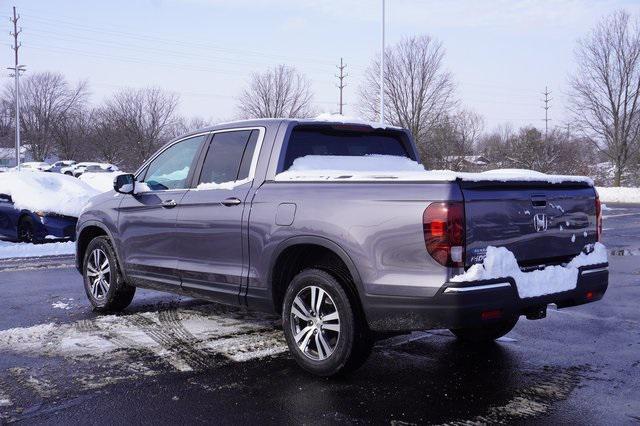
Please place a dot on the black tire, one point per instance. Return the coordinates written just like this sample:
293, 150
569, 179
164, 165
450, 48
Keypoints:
118, 294
26, 230
68, 173
485, 333
353, 343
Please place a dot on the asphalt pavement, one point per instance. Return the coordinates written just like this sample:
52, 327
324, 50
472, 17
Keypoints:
170, 359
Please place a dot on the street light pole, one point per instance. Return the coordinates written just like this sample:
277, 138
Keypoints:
382, 68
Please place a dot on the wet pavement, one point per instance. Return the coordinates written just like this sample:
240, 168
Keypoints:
169, 359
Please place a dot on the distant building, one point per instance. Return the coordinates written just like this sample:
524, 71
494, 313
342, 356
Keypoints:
8, 156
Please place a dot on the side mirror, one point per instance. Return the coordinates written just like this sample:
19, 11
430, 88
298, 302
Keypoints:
124, 184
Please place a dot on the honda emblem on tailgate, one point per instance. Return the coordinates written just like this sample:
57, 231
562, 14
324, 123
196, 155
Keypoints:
540, 222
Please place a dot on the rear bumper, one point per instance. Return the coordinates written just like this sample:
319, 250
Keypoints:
459, 305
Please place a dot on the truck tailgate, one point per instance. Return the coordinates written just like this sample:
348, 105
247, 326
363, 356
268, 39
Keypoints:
540, 223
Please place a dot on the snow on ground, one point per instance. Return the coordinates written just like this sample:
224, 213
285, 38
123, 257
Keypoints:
102, 182
185, 338
47, 192
501, 263
9, 249
389, 167
627, 195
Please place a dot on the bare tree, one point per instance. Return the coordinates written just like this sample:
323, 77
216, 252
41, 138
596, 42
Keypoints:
7, 129
605, 90
279, 92
418, 92
184, 125
71, 135
558, 153
140, 120
46, 100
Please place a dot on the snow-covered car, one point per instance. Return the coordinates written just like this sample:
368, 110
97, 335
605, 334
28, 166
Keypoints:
38, 207
102, 180
59, 165
95, 167
33, 166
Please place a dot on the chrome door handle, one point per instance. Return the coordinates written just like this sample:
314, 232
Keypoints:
233, 201
169, 204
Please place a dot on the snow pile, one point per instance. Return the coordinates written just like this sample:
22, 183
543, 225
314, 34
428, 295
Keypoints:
9, 250
390, 167
47, 192
619, 195
325, 167
102, 182
501, 263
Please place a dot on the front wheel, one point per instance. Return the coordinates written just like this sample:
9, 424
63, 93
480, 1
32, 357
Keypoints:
103, 281
26, 230
485, 333
324, 332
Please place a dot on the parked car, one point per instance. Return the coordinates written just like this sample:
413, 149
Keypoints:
34, 166
231, 214
33, 227
102, 168
80, 168
59, 165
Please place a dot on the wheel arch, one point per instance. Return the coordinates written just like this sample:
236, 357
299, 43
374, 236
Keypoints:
87, 232
287, 262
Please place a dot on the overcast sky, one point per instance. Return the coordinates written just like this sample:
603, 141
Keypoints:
502, 53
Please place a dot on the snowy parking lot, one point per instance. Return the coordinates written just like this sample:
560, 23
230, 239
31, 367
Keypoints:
175, 357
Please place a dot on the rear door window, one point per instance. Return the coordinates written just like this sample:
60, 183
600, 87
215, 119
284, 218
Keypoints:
229, 156
329, 140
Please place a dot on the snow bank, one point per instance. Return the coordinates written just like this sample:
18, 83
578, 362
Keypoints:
619, 195
9, 250
501, 263
102, 182
389, 167
47, 192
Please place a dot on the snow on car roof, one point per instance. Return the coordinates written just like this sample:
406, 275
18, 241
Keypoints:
47, 192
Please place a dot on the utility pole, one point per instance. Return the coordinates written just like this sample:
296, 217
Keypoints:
341, 86
17, 69
382, 68
546, 107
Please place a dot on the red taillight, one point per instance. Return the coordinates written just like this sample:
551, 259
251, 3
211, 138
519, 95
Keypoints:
598, 218
444, 232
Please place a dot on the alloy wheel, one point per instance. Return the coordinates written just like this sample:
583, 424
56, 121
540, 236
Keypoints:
99, 273
315, 323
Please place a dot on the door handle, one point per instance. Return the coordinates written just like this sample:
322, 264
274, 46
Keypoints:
233, 201
169, 204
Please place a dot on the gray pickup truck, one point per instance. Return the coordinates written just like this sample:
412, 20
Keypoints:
218, 215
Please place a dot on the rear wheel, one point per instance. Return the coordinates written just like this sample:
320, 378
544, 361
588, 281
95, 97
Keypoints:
26, 230
103, 281
485, 333
324, 333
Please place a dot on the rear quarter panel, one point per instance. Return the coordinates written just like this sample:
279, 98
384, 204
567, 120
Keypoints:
378, 225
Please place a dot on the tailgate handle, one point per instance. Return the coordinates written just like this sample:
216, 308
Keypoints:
539, 200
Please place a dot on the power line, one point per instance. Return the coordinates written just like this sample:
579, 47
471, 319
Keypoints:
341, 85
546, 107
17, 69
